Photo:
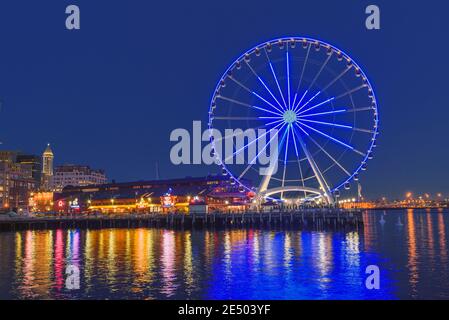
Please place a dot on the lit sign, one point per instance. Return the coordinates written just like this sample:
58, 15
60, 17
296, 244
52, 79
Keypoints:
141, 204
168, 201
74, 204
197, 200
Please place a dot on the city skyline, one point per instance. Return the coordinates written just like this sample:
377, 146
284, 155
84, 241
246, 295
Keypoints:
124, 126
66, 169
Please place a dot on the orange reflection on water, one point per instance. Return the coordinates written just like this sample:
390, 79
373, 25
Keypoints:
369, 228
107, 249
141, 260
412, 254
142, 253
430, 235
18, 259
188, 261
442, 237
28, 264
36, 265
89, 256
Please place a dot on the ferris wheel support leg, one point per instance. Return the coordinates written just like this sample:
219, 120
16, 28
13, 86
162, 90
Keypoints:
266, 180
322, 182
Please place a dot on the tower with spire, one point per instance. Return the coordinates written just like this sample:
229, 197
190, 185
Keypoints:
47, 169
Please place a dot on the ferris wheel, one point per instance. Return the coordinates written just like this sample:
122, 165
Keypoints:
315, 100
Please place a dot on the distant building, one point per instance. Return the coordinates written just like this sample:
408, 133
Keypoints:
77, 176
16, 182
47, 169
35, 164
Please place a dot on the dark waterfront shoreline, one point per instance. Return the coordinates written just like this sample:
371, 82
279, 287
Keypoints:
315, 220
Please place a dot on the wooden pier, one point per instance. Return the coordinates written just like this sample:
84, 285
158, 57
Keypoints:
323, 219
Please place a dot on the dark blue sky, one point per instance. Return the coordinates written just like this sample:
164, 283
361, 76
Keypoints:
110, 94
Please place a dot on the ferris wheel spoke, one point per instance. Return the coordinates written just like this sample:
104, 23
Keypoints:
286, 146
265, 86
302, 75
321, 70
337, 78
253, 161
287, 132
276, 78
238, 118
300, 100
318, 175
332, 158
321, 113
245, 171
277, 121
266, 102
247, 105
304, 131
351, 91
316, 106
298, 108
271, 117
288, 80
232, 135
334, 139
312, 83
316, 78
254, 93
360, 109
253, 141
328, 124
364, 130
293, 132
326, 135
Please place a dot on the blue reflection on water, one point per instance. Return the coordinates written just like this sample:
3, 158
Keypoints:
296, 265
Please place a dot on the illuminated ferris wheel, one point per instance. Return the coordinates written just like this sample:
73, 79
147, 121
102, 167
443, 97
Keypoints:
315, 100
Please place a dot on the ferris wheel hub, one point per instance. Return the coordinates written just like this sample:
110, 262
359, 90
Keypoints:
289, 116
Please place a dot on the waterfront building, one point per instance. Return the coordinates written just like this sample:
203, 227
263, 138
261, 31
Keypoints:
214, 193
16, 182
77, 176
41, 202
47, 169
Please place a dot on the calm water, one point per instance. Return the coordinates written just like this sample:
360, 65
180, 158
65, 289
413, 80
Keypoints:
234, 264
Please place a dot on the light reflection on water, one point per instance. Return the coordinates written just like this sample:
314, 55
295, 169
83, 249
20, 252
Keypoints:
233, 264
